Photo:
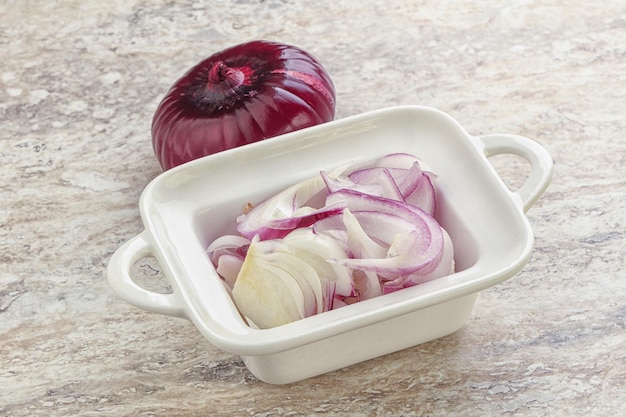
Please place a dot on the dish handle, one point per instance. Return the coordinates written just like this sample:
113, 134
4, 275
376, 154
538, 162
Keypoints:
118, 274
541, 162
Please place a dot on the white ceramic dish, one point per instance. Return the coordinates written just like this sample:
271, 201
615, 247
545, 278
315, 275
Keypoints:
187, 207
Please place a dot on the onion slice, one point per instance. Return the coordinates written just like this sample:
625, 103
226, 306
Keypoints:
263, 292
317, 249
411, 185
283, 280
335, 239
414, 240
287, 210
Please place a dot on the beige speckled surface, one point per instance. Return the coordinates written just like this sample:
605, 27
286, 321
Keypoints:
79, 81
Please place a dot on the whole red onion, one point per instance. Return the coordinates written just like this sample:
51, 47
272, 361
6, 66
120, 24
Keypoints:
241, 95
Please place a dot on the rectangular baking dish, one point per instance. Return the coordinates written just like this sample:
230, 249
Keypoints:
187, 207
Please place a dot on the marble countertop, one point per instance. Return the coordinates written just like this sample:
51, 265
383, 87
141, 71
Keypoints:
79, 82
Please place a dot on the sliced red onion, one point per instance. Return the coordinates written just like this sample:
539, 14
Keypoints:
276, 216
316, 249
263, 292
228, 267
368, 234
227, 242
394, 285
423, 195
374, 181
361, 242
411, 185
374, 233
401, 160
367, 285
401, 179
296, 268
299, 257
356, 201
444, 267
411, 249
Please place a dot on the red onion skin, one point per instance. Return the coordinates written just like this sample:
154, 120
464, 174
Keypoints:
243, 94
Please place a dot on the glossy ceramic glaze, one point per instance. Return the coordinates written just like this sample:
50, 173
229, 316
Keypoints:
187, 207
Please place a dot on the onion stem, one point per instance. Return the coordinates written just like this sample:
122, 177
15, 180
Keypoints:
221, 72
